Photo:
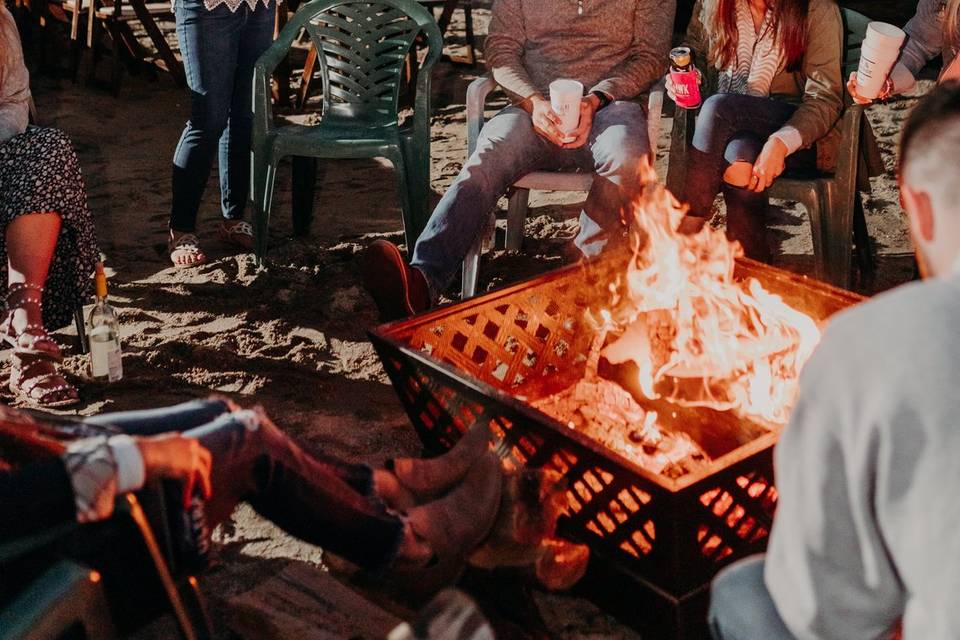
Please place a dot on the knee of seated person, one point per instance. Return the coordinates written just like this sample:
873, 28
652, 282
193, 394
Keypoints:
738, 174
55, 140
716, 106
622, 160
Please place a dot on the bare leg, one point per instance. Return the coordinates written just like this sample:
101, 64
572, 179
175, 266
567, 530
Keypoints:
31, 241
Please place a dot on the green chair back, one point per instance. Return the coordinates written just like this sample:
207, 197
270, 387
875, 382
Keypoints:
854, 30
362, 47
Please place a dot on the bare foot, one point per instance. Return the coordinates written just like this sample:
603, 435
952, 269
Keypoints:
185, 249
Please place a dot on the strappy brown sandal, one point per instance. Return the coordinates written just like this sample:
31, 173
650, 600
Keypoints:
185, 250
27, 337
35, 381
34, 378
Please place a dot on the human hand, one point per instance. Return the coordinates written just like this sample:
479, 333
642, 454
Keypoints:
770, 164
546, 122
578, 137
885, 91
671, 88
176, 457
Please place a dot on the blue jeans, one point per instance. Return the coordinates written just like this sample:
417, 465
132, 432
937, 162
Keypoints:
733, 128
315, 497
510, 148
741, 607
219, 51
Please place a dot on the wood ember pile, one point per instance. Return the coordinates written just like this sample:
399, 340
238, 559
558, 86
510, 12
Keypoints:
606, 412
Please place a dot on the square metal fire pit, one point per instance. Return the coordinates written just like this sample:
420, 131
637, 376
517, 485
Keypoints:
474, 361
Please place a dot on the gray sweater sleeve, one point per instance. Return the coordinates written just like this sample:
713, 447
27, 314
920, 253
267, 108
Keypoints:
647, 62
14, 80
924, 36
504, 48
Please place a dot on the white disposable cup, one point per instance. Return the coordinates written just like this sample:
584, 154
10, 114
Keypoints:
878, 53
565, 98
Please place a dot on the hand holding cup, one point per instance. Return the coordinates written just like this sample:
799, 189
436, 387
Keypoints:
565, 98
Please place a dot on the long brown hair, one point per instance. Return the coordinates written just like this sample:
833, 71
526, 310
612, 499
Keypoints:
789, 24
951, 21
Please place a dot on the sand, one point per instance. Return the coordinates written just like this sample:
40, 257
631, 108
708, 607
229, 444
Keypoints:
291, 336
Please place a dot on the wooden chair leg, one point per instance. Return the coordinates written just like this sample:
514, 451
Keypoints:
117, 57
307, 79
471, 39
516, 216
282, 73
159, 42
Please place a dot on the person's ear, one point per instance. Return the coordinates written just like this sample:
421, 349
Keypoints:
919, 209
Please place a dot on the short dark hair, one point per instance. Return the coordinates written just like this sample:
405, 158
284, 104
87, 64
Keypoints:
929, 120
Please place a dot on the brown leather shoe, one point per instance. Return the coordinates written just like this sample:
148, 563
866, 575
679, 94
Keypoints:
459, 522
432, 477
398, 290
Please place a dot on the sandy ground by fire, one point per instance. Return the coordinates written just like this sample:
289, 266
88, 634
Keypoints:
292, 336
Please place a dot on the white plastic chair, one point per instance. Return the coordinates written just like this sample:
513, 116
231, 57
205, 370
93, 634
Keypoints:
519, 197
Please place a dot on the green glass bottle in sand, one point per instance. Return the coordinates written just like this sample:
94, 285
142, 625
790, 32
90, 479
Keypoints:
104, 334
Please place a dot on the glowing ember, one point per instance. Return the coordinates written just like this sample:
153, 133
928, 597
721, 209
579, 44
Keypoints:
697, 336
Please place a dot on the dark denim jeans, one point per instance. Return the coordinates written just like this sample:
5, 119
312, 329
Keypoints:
741, 607
317, 498
732, 128
508, 149
219, 51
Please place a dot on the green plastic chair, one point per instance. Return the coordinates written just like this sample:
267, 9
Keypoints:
832, 200
363, 46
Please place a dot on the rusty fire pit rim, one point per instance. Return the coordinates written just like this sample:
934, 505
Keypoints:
747, 264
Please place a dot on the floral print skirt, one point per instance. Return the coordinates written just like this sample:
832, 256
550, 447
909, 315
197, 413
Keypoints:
40, 173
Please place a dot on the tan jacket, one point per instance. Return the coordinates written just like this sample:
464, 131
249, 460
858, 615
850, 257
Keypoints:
817, 87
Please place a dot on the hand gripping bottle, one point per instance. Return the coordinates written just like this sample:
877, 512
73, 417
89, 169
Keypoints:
686, 85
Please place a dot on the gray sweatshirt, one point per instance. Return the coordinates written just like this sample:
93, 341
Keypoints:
925, 41
14, 80
619, 47
868, 527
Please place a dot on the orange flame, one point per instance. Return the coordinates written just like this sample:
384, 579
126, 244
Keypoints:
698, 337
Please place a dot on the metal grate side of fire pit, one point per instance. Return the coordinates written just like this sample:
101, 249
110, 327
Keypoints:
463, 365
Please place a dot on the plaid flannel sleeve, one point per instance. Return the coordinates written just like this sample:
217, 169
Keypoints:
100, 468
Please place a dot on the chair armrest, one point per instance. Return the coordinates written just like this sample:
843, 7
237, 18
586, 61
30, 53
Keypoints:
848, 156
477, 94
